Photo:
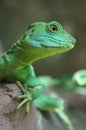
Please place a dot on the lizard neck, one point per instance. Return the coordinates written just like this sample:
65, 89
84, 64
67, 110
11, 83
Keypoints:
17, 59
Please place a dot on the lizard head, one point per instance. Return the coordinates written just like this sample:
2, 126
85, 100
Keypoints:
48, 39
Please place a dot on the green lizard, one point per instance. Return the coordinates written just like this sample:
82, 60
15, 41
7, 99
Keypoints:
41, 40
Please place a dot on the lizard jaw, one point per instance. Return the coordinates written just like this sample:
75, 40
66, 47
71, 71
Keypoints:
60, 47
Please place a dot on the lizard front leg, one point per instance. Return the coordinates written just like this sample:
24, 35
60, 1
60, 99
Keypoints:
31, 88
29, 94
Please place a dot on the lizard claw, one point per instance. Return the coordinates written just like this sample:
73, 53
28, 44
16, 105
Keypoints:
27, 97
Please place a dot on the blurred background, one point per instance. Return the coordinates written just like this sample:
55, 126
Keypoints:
16, 15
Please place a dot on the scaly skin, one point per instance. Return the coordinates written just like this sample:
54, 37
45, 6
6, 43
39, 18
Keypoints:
41, 40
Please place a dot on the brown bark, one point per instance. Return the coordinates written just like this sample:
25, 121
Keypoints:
10, 118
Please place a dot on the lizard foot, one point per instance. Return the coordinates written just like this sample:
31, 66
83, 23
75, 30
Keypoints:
27, 96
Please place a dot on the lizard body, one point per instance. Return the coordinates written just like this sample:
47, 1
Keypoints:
40, 41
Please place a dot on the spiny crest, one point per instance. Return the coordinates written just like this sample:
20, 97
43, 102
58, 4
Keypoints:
16, 46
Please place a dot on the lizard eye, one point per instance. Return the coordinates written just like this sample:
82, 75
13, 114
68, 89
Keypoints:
53, 28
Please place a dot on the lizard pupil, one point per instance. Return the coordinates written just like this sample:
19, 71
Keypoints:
53, 28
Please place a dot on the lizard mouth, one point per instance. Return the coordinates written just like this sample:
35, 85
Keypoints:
45, 46
59, 47
69, 43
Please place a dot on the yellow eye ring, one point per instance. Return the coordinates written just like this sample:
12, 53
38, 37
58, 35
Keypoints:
53, 28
